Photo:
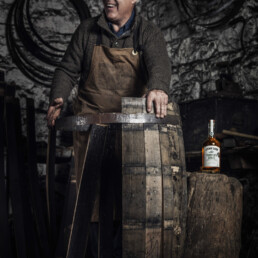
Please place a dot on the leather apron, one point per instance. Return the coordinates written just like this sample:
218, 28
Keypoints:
114, 73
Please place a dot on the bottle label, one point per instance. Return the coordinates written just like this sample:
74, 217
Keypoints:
211, 156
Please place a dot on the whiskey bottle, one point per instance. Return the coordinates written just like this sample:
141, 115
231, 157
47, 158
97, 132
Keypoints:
211, 151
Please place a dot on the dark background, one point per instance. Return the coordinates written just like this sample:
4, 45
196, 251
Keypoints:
213, 52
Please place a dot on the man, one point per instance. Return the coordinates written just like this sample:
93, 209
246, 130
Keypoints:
77, 61
118, 54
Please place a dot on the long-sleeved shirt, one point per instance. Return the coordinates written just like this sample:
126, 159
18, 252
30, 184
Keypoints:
76, 62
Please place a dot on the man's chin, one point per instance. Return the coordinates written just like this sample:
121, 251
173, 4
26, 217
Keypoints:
111, 17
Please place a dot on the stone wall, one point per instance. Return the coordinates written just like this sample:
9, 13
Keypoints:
201, 47
200, 52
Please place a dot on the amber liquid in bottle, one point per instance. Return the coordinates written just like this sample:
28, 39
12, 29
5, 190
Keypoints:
211, 151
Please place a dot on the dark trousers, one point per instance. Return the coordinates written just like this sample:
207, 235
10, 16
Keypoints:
92, 247
106, 235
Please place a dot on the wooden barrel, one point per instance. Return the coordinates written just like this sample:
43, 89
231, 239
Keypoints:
154, 187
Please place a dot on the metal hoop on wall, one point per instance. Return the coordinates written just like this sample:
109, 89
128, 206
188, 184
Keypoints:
210, 14
43, 57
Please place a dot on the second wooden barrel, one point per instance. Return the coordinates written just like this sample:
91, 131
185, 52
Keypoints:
154, 186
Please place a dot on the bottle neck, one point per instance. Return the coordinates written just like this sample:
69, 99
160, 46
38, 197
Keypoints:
211, 128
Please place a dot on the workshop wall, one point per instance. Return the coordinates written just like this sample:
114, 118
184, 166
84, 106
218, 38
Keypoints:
213, 49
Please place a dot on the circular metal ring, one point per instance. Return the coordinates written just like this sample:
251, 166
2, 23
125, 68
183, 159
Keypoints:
135, 53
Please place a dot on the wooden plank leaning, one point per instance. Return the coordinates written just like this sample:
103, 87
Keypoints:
25, 235
36, 198
87, 192
5, 244
67, 217
50, 188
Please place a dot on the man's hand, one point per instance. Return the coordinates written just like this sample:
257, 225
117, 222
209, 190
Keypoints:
54, 111
160, 99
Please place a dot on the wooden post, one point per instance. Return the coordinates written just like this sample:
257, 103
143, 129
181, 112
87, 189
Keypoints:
214, 216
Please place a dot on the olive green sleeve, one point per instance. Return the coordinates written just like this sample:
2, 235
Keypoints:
68, 72
156, 59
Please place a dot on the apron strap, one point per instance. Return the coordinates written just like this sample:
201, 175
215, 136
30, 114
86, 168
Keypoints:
139, 48
99, 37
136, 36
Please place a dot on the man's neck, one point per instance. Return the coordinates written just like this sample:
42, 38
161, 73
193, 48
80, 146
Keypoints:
116, 27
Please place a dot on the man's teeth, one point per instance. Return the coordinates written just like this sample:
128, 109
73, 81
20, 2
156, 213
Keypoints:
110, 5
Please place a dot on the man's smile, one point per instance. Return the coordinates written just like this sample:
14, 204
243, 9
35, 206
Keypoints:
110, 5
